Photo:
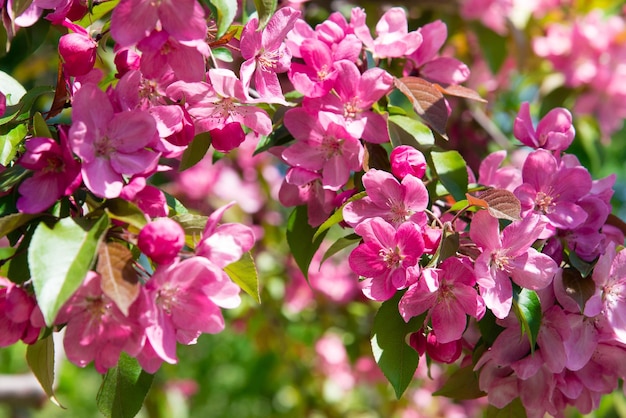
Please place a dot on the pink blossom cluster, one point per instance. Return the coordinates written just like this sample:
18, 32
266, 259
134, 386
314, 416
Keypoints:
590, 53
563, 219
337, 112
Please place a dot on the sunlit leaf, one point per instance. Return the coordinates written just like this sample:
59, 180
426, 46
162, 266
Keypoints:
9, 143
265, 9
427, 101
397, 360
123, 389
404, 130
193, 225
40, 126
11, 88
125, 211
452, 172
40, 359
13, 221
492, 46
59, 258
244, 273
226, 11
119, 278
527, 308
461, 385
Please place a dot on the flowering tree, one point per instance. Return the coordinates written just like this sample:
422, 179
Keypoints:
507, 269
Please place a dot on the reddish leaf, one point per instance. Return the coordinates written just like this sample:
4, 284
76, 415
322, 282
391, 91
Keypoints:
460, 91
61, 95
578, 287
375, 157
500, 203
119, 279
427, 101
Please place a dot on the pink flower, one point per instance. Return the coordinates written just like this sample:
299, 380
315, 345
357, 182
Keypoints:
149, 199
266, 54
214, 106
407, 160
20, 317
552, 191
387, 198
393, 38
491, 174
426, 62
304, 187
609, 276
355, 95
508, 255
3, 103
322, 145
56, 174
388, 258
226, 243
554, 132
448, 292
96, 330
161, 240
111, 145
317, 75
133, 20
183, 300
161, 51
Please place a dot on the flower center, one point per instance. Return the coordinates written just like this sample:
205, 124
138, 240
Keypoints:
331, 146
544, 203
55, 165
351, 109
391, 257
103, 147
500, 260
166, 298
267, 60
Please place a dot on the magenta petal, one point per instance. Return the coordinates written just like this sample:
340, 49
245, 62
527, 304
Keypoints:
183, 19
533, 270
448, 321
485, 231
100, 178
39, 192
131, 131
416, 301
139, 162
227, 138
133, 20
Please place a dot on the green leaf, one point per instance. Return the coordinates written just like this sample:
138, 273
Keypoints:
123, 389
12, 176
13, 221
193, 225
579, 264
452, 172
222, 54
461, 385
59, 259
20, 6
404, 130
11, 88
24, 44
515, 409
279, 136
302, 240
337, 216
40, 359
176, 207
125, 211
40, 126
226, 11
265, 10
397, 360
25, 104
244, 273
196, 151
527, 308
9, 143
492, 46
489, 329
339, 245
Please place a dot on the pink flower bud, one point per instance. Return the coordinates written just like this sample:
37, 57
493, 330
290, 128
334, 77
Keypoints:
78, 51
161, 240
407, 160
443, 352
3, 104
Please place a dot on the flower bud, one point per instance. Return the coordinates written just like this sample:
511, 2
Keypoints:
161, 240
407, 160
